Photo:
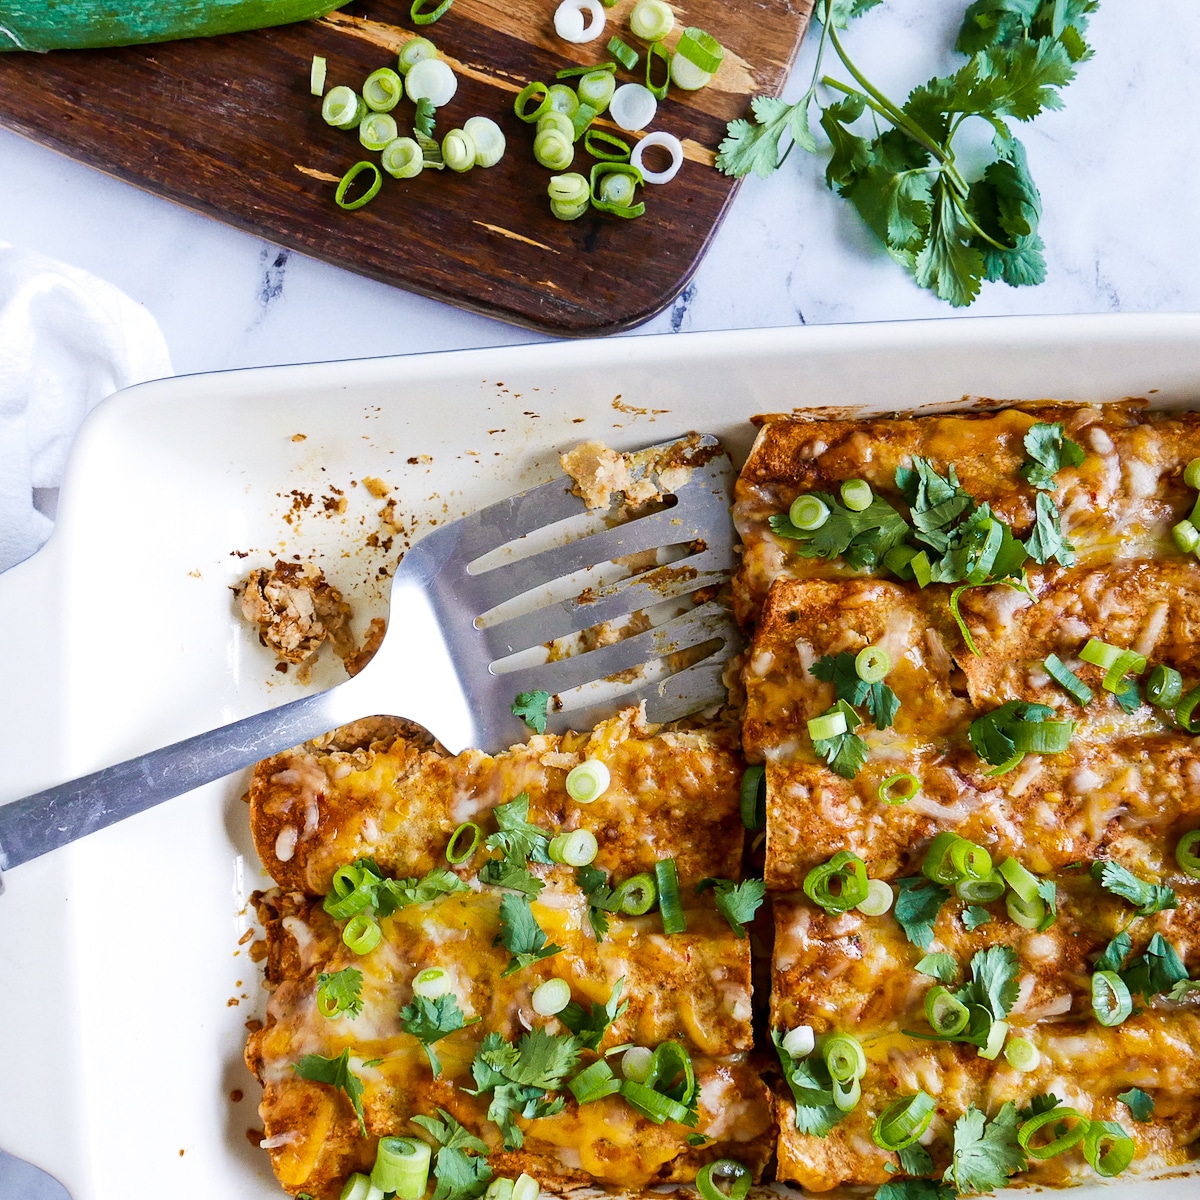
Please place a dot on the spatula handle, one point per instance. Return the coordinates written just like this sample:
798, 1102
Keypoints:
52, 818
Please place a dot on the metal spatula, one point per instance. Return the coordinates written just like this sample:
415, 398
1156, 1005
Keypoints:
484, 609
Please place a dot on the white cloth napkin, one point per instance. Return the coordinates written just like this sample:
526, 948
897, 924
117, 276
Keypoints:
67, 340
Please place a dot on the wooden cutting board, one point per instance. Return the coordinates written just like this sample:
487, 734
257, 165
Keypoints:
227, 126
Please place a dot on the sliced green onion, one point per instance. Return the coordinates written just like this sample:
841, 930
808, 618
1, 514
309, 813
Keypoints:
576, 849
624, 53
464, 841
569, 195
799, 1042
458, 150
551, 997
666, 876
431, 79
525, 1187
980, 891
1111, 1001
403, 159
1066, 1134
1108, 1148
838, 885
1022, 881
362, 933
651, 20
902, 1123
947, 1015
316, 76
1067, 679
970, 861
1164, 687
1186, 535
581, 120
1027, 914
596, 88
402, 1167
558, 121
1184, 710
587, 69
922, 569
563, 98
607, 147
754, 796
808, 512
432, 982
376, 130
382, 90
1128, 662
937, 865
654, 1106
827, 725
637, 1063
872, 664
359, 1187
879, 898
413, 51
499, 1189
702, 50
1186, 854
613, 189
1043, 737
632, 107
899, 789
844, 1057
1022, 1055
588, 781
724, 1170
672, 1073
594, 1083
422, 17
857, 495
1100, 654
995, 1040
658, 52
488, 138
636, 896
527, 95
847, 1093
343, 107
553, 150
1191, 473
351, 890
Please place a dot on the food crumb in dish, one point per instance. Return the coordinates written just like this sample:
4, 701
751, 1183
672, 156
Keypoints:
375, 486
601, 473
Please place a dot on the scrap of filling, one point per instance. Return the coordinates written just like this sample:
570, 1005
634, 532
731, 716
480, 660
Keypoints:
971, 698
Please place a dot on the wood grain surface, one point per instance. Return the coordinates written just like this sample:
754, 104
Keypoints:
226, 126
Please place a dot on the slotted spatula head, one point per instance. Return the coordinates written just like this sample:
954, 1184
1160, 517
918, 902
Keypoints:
599, 609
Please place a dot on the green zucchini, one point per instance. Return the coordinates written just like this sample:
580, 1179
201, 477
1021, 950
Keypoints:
87, 24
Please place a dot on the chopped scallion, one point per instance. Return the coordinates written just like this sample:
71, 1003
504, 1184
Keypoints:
903, 1122
872, 664
1191, 473
947, 1015
1028, 914
1186, 854
754, 797
403, 159
488, 138
464, 841
359, 1187
530, 93
899, 789
551, 997
588, 781
637, 1063
827, 725
632, 107
879, 898
1067, 679
799, 1041
856, 494
651, 20
1164, 687
362, 933
413, 51
432, 982
1186, 535
401, 1167
1100, 654
569, 20
431, 79
670, 906
724, 1171
657, 52
576, 849
839, 884
1067, 1124
351, 890
458, 150
594, 1083
980, 891
382, 90
671, 144
1185, 709
1128, 662
343, 107
563, 99
654, 1106
1108, 1148
422, 16
1022, 1055
586, 69
624, 53
1111, 1001
701, 53
808, 512
1022, 881
376, 130
569, 195
552, 150
526, 1187
844, 1057
847, 1093
316, 76
596, 88
996, 1034
607, 147
636, 896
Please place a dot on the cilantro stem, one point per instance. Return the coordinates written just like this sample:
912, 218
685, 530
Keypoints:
961, 204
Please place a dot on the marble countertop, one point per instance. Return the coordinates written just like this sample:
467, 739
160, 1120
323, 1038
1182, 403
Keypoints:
1117, 170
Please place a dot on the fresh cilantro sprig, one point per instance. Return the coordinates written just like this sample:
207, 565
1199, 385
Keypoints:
844, 752
1049, 450
601, 898
458, 1175
861, 538
918, 902
986, 1153
812, 1090
950, 231
516, 838
1156, 971
431, 1020
520, 933
1146, 898
589, 1026
989, 995
339, 993
335, 1072
736, 902
393, 894
881, 702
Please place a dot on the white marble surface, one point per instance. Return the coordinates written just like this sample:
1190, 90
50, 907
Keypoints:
1117, 168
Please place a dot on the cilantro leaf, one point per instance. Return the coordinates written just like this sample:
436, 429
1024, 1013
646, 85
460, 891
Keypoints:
915, 1160
1139, 1103
755, 146
1043, 1102
335, 1072
431, 1020
532, 708
844, 752
504, 873
520, 933
458, 1175
1049, 450
1128, 696
424, 117
590, 1027
992, 735
812, 1091
918, 902
986, 1153
736, 902
601, 898
1156, 970
449, 1133
942, 967
340, 993
861, 538
1181, 990
1115, 953
1146, 898
993, 985
914, 1189
540, 1060
975, 915
393, 894
517, 839
1046, 540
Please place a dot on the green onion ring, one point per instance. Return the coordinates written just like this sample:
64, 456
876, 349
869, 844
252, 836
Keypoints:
362, 933
1164, 687
601, 193
1186, 856
1066, 678
1043, 737
588, 781
550, 997
571, 72
428, 18
527, 93
1128, 662
563, 98
382, 90
1184, 710
432, 982
596, 88
899, 789
594, 1083
656, 50
827, 725
902, 1123
754, 797
980, 891
353, 890
456, 853
670, 905
401, 1167
730, 1169
1027, 914
1111, 1001
970, 861
576, 849
636, 896
844, 1057
1022, 1055
1186, 536
1018, 877
880, 898
700, 49
624, 53
597, 143
856, 494
357, 1187
848, 872
654, 1106
343, 107
350, 176
937, 866
1070, 1136
808, 512
872, 663
1191, 473
672, 1073
847, 1093
996, 1034
1120, 1152
947, 1015
581, 120
1100, 654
